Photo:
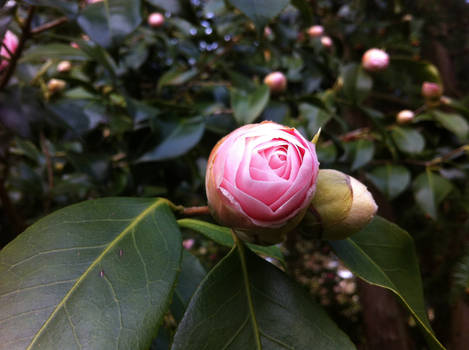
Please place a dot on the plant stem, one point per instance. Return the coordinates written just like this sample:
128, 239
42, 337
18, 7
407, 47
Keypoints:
49, 25
189, 211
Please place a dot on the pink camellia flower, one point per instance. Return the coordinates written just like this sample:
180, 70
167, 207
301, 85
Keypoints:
260, 180
10, 44
315, 31
276, 81
431, 90
326, 41
156, 20
375, 60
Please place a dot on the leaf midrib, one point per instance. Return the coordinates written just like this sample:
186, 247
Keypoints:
112, 244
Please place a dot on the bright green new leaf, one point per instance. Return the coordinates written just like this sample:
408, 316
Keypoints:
384, 255
247, 303
95, 275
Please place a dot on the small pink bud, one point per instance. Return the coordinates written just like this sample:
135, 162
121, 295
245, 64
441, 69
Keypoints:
92, 1
188, 243
326, 41
315, 31
64, 66
267, 31
375, 60
260, 181
405, 116
56, 85
431, 90
74, 45
10, 44
276, 81
156, 20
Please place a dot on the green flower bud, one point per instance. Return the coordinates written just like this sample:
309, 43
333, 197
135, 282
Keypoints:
341, 207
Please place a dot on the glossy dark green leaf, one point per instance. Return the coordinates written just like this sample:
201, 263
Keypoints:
68, 7
455, 123
95, 275
192, 273
361, 153
222, 235
390, 179
108, 22
260, 12
429, 190
384, 255
253, 305
53, 51
171, 6
316, 117
356, 82
183, 138
177, 77
408, 140
248, 106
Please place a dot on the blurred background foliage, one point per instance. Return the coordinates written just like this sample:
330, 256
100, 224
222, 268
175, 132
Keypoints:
98, 102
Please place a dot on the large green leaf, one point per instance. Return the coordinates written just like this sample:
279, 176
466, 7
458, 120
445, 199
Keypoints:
391, 180
95, 275
408, 140
260, 12
108, 22
455, 123
53, 51
248, 106
383, 254
68, 7
247, 303
429, 190
185, 136
222, 235
360, 152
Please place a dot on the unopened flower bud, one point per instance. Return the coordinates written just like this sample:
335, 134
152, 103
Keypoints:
8, 46
341, 207
260, 180
64, 66
431, 90
405, 116
276, 81
315, 31
156, 20
326, 41
375, 60
56, 85
267, 31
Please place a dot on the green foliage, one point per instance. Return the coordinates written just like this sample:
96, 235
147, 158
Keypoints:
140, 111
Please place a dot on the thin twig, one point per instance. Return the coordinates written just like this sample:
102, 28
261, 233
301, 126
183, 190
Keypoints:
203, 210
49, 25
25, 33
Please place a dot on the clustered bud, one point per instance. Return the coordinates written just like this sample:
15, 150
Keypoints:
315, 31
64, 66
326, 41
341, 207
276, 81
56, 85
405, 116
260, 180
375, 60
431, 90
155, 20
9, 45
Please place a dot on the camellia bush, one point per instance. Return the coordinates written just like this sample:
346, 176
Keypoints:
171, 170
